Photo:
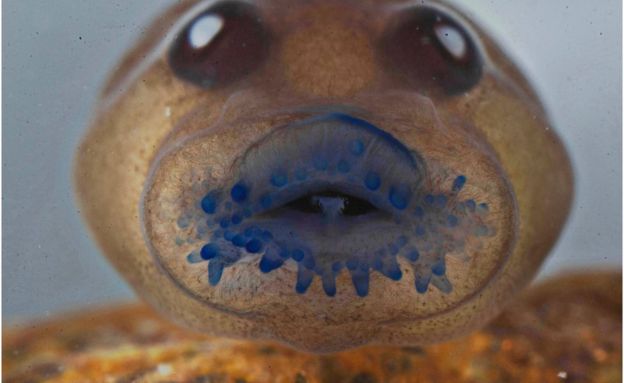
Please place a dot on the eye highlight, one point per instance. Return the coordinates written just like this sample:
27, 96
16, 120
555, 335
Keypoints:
220, 45
430, 51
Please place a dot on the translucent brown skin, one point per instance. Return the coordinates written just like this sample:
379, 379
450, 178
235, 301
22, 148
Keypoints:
496, 133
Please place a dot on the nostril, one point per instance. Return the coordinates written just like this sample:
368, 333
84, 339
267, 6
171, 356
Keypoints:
331, 203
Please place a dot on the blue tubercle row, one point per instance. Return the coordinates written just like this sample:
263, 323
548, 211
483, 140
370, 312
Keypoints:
235, 239
360, 160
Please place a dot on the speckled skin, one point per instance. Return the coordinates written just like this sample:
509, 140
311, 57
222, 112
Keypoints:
322, 54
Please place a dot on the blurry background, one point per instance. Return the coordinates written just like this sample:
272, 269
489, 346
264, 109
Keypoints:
57, 54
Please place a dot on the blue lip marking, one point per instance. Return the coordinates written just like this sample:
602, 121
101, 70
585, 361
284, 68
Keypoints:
304, 279
270, 262
209, 204
419, 212
422, 284
320, 164
459, 182
401, 241
471, 205
439, 268
399, 196
253, 239
440, 201
194, 258
336, 266
357, 147
329, 285
266, 201
224, 222
413, 255
392, 270
343, 166
360, 281
209, 251
239, 193
372, 181
309, 262
236, 219
452, 220
301, 174
297, 255
279, 179
239, 240
352, 264
408, 155
419, 222
215, 270
254, 246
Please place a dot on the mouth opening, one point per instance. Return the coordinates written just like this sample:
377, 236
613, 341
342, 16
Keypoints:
331, 203
331, 194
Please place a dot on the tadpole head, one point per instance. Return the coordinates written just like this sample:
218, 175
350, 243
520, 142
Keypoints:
322, 174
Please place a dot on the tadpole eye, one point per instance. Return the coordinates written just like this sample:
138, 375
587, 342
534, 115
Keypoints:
220, 45
429, 50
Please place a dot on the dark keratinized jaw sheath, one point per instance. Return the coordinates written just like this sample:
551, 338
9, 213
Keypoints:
332, 194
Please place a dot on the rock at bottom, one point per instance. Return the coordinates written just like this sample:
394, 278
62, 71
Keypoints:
568, 329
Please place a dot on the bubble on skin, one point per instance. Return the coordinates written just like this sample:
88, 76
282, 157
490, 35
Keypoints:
427, 225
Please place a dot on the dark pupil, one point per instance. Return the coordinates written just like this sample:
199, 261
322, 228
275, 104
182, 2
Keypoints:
238, 47
351, 206
430, 50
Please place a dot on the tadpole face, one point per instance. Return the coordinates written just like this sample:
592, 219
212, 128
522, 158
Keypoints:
324, 174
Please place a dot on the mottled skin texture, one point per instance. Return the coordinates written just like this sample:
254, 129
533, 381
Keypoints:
322, 54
